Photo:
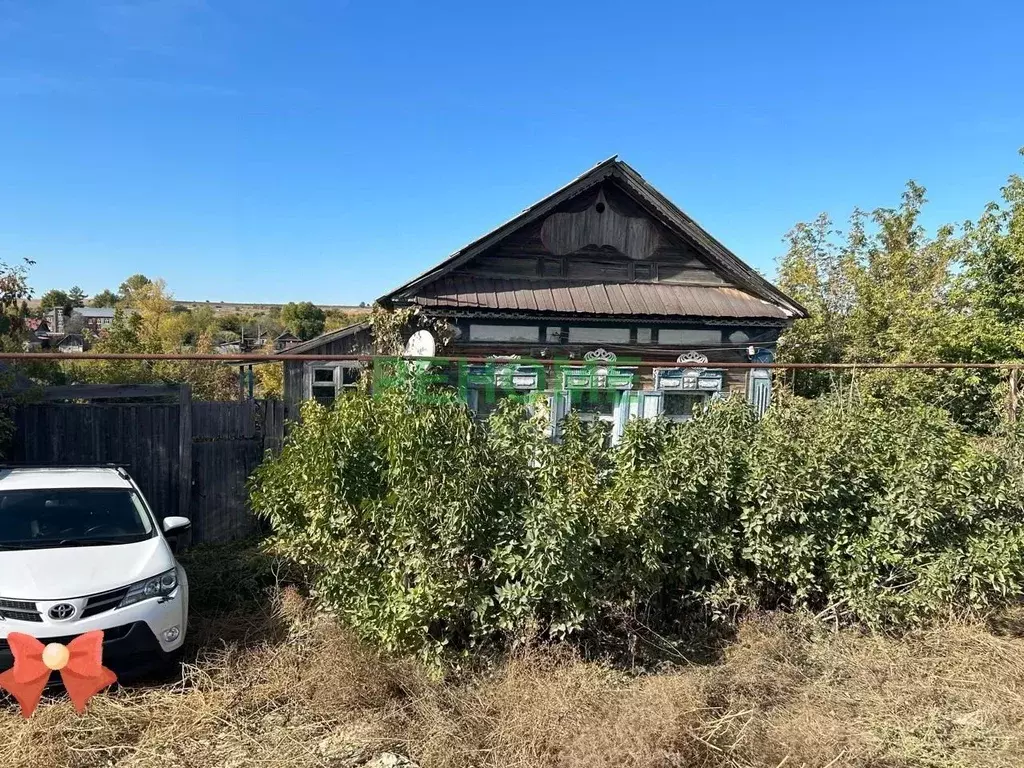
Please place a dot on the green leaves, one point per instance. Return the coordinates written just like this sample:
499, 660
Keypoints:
304, 319
428, 532
884, 290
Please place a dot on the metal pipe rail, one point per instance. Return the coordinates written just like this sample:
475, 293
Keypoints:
547, 362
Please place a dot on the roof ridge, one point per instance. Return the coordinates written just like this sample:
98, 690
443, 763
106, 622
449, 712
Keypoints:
316, 341
662, 208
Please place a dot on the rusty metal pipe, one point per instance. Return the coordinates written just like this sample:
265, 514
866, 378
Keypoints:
626, 362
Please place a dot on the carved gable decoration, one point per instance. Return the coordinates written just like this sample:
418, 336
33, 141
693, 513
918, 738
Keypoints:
600, 225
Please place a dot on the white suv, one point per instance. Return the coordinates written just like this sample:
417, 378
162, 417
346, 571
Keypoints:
80, 549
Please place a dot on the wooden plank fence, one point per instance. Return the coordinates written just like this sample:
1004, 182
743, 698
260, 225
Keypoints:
189, 458
229, 441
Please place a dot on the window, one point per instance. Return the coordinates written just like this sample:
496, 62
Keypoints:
599, 335
524, 333
642, 272
553, 334
324, 390
680, 337
738, 337
329, 381
594, 405
484, 402
643, 335
72, 516
681, 405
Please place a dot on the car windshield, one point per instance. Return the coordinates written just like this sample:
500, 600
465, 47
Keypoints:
68, 517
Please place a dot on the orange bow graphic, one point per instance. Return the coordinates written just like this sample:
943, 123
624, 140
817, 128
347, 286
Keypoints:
80, 664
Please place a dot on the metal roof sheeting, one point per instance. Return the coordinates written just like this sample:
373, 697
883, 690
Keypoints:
463, 291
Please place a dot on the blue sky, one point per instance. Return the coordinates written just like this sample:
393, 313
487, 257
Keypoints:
251, 150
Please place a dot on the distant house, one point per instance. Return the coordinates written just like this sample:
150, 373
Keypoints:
228, 348
246, 345
38, 335
95, 319
69, 343
604, 271
324, 382
285, 341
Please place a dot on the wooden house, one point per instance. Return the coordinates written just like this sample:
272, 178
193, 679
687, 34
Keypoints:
37, 335
70, 343
604, 271
286, 340
324, 381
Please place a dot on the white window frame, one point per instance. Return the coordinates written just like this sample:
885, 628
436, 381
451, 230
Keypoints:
337, 383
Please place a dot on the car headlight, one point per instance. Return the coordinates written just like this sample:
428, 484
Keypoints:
157, 586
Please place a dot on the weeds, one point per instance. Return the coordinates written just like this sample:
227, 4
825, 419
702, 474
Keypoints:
789, 690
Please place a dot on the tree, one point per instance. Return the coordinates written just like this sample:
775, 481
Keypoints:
76, 297
55, 298
270, 376
304, 319
74, 323
991, 282
105, 298
886, 291
130, 287
152, 326
335, 319
14, 293
123, 337
817, 271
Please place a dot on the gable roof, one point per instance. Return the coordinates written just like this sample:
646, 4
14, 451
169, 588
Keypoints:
313, 344
98, 312
757, 289
73, 338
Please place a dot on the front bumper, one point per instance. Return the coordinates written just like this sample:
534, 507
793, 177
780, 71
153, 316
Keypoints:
134, 636
129, 650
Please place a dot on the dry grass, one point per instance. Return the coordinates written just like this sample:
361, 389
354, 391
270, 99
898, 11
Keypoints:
788, 692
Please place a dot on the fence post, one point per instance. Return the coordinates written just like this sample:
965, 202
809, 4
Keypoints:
184, 449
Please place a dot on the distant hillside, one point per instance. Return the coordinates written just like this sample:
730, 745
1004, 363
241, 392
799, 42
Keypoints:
232, 307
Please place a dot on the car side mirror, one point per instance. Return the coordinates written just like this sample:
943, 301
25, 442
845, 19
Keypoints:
175, 524
176, 530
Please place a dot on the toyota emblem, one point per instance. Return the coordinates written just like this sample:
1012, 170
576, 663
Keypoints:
61, 611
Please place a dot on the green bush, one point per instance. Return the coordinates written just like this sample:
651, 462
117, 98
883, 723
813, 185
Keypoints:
427, 530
